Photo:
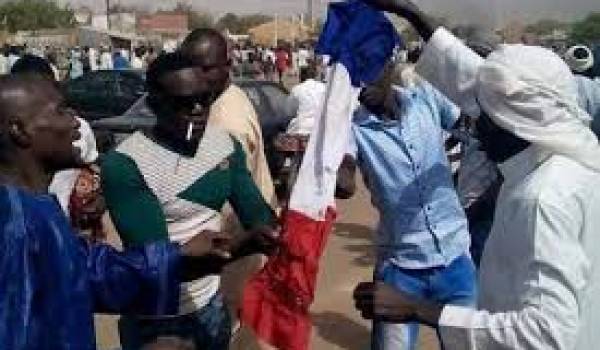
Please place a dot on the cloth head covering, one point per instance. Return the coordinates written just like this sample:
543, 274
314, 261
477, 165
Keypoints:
579, 65
531, 92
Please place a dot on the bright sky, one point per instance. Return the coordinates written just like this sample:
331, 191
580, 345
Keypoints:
460, 10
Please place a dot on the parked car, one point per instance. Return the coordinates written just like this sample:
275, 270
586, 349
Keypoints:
104, 93
269, 100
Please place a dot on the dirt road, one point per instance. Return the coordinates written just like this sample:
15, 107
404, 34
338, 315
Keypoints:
348, 260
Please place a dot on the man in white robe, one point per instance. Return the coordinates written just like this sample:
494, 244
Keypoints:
540, 273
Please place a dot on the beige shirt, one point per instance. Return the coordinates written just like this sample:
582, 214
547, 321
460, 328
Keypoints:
234, 113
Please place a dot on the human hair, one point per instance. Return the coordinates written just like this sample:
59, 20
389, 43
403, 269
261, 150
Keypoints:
308, 73
161, 66
202, 34
34, 65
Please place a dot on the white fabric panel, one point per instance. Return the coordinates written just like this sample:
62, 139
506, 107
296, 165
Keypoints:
315, 188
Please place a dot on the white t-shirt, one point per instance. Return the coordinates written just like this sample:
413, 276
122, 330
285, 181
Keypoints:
106, 61
309, 96
137, 63
303, 57
63, 182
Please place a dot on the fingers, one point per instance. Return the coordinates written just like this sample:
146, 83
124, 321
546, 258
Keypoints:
364, 299
363, 290
220, 244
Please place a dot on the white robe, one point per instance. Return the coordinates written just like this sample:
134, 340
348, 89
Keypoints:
540, 274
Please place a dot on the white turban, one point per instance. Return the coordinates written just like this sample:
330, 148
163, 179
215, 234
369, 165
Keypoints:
531, 92
579, 65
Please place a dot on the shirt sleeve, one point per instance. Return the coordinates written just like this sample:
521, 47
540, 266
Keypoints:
133, 207
550, 315
143, 280
452, 68
245, 198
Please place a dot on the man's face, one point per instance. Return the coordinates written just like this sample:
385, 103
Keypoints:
212, 67
497, 143
182, 118
52, 129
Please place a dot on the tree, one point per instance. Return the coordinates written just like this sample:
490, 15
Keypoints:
587, 30
546, 27
229, 21
35, 15
200, 19
241, 24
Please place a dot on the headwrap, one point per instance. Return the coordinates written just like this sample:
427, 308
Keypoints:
579, 65
531, 92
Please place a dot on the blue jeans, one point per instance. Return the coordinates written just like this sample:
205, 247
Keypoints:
208, 328
454, 284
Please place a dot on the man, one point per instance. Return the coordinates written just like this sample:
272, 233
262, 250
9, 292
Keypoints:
540, 272
63, 182
231, 109
308, 96
51, 281
304, 57
106, 59
581, 60
173, 182
85, 60
282, 62
75, 64
423, 240
589, 99
137, 61
120, 62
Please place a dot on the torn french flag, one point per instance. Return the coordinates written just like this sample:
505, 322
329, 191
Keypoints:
358, 41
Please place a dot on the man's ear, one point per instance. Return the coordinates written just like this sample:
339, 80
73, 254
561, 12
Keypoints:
18, 132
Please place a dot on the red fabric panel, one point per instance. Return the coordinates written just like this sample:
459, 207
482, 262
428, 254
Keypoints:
277, 300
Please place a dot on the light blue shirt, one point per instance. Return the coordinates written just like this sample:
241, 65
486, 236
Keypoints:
422, 223
589, 99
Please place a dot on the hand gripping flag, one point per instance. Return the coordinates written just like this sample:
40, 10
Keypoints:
359, 41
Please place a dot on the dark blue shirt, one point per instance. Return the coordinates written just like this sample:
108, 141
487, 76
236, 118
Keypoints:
51, 282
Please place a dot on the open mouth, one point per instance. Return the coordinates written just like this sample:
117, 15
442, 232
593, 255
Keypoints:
76, 136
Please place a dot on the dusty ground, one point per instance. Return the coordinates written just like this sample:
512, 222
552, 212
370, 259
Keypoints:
347, 261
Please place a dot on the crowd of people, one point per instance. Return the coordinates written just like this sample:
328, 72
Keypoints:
272, 64
73, 62
495, 249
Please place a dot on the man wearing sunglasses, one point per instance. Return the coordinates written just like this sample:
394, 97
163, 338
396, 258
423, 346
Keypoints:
173, 182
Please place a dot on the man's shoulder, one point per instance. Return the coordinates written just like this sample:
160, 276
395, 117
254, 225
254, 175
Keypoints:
118, 166
236, 93
27, 207
561, 179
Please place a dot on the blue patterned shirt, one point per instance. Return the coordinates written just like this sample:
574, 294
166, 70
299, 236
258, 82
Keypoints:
403, 161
